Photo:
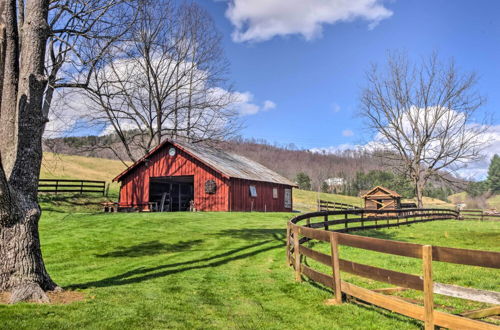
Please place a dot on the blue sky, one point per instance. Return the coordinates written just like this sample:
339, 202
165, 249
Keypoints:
314, 79
298, 66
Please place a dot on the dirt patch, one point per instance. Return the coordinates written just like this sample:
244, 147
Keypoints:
56, 298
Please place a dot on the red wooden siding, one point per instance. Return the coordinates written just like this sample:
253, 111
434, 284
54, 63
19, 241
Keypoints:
241, 200
135, 185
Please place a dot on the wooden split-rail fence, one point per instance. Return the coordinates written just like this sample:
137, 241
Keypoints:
334, 206
58, 186
479, 215
328, 228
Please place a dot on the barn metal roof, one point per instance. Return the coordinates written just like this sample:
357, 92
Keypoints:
227, 163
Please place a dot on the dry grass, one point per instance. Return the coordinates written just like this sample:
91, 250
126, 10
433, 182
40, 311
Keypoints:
56, 298
59, 166
304, 200
463, 197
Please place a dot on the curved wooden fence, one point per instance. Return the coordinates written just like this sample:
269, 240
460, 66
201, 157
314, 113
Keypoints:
326, 227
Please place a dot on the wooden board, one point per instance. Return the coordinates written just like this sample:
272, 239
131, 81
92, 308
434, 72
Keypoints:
382, 245
467, 257
489, 297
382, 275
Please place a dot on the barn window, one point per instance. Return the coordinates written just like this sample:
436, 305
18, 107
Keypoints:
253, 191
288, 198
275, 193
210, 187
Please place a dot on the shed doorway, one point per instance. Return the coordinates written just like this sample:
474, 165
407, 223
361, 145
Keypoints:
171, 193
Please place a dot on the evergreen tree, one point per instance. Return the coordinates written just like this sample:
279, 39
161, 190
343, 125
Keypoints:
324, 187
494, 174
303, 181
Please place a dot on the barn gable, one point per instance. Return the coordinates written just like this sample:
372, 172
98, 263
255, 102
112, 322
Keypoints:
381, 198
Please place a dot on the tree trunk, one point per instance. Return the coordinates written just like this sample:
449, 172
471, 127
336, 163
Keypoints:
419, 193
22, 271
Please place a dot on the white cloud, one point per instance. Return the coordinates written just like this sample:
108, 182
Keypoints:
260, 20
347, 132
477, 170
268, 105
245, 106
65, 111
336, 107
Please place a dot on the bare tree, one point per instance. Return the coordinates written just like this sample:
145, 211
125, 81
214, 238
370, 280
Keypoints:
167, 81
423, 117
26, 85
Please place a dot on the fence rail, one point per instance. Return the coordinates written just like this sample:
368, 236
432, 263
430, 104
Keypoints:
479, 215
71, 186
335, 234
332, 206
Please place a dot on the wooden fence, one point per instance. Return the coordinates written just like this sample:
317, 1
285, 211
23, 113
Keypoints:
71, 186
479, 215
335, 234
333, 206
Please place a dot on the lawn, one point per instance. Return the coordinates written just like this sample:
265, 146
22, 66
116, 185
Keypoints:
211, 270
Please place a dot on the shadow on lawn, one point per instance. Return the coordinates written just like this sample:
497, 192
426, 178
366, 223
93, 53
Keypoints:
149, 249
253, 234
377, 233
142, 274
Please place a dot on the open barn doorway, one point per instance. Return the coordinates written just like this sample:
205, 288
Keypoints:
171, 193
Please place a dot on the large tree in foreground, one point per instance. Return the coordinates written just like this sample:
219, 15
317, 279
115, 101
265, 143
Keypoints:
26, 84
423, 117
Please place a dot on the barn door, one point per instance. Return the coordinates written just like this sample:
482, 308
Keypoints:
173, 192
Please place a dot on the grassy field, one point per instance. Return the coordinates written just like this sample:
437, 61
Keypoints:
493, 201
215, 271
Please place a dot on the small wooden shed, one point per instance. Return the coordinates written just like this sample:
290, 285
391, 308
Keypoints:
179, 176
380, 198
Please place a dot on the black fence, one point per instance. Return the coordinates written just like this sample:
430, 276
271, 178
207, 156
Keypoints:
334, 206
58, 186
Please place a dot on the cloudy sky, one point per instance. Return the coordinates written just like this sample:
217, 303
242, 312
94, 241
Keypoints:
298, 65
306, 59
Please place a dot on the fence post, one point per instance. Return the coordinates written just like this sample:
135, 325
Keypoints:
326, 221
81, 187
288, 244
345, 224
57, 185
336, 270
428, 287
296, 253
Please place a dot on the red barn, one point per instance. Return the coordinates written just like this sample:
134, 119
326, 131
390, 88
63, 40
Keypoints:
177, 175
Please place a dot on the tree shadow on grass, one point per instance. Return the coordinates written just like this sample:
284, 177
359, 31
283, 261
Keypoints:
149, 249
253, 234
142, 274
377, 233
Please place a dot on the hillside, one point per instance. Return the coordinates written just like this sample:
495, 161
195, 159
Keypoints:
463, 197
91, 168
286, 160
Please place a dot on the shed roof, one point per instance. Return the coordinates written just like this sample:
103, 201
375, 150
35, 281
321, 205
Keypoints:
388, 191
228, 164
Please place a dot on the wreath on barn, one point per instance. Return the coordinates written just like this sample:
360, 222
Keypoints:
210, 187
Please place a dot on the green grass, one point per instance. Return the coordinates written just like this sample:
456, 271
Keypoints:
215, 271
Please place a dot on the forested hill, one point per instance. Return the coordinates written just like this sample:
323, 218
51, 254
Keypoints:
286, 160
